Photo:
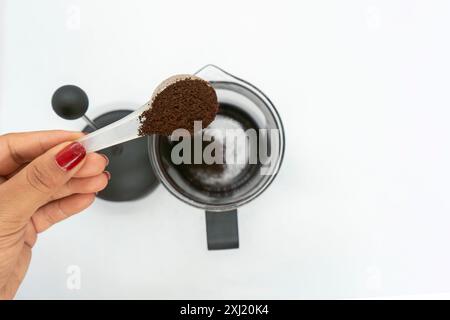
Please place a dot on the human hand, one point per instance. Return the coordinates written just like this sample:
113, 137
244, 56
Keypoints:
44, 178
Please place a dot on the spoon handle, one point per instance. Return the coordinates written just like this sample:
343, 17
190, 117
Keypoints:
117, 132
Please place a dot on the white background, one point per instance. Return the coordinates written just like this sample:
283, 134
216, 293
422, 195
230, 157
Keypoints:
361, 205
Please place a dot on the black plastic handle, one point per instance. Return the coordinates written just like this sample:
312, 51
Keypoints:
222, 230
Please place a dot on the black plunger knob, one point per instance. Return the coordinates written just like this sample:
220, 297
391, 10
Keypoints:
70, 102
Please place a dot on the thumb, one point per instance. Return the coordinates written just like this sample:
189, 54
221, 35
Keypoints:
35, 184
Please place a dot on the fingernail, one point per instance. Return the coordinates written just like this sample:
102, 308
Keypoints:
106, 158
108, 175
70, 156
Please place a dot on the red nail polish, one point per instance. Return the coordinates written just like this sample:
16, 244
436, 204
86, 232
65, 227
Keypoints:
70, 156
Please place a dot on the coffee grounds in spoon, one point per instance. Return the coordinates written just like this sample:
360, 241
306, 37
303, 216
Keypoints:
177, 103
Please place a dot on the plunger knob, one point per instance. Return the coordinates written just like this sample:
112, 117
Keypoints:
70, 102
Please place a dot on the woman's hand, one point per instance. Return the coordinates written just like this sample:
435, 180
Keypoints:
44, 178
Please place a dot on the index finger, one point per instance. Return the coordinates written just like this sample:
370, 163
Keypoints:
21, 148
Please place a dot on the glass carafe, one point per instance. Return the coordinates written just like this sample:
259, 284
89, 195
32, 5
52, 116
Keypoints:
220, 189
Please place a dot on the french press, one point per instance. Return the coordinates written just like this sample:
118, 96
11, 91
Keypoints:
219, 189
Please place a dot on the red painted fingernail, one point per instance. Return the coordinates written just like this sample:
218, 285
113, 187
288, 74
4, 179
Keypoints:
70, 156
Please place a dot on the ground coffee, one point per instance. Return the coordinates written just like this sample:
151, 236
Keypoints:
177, 103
